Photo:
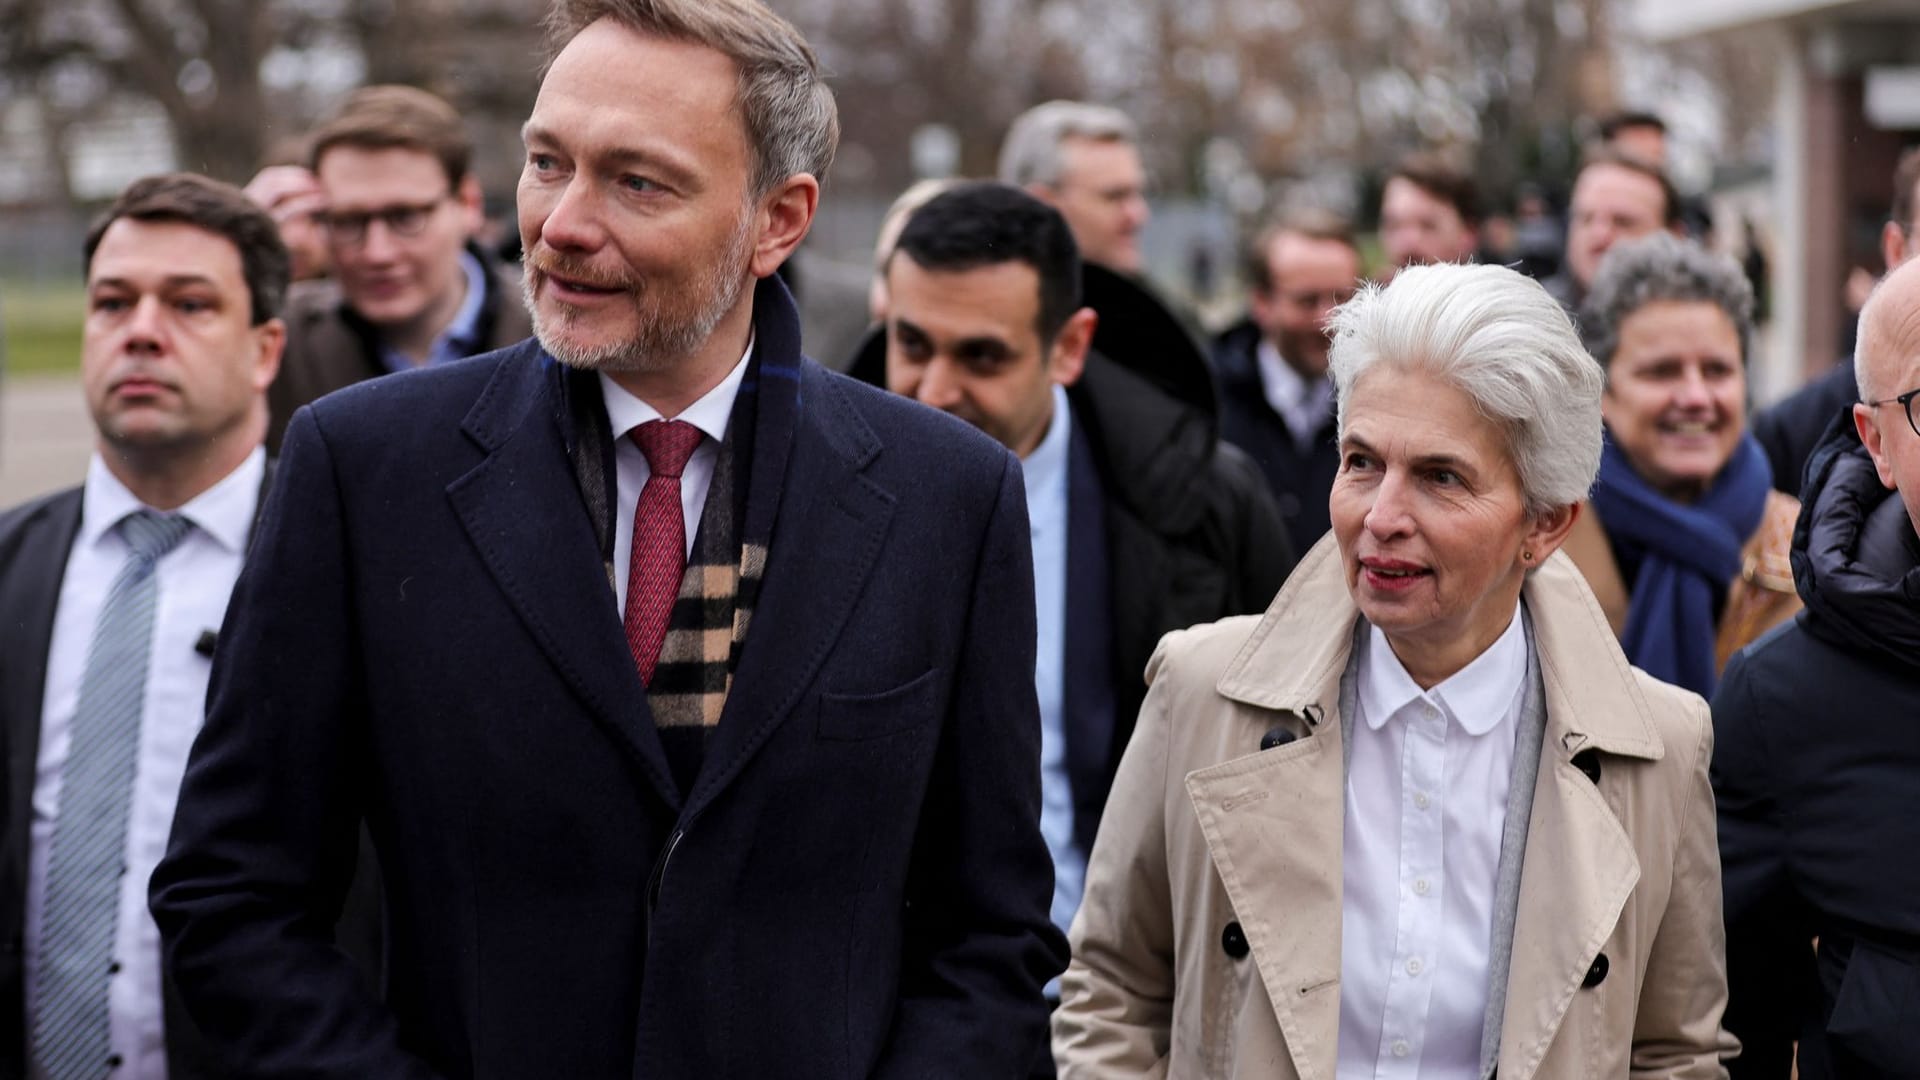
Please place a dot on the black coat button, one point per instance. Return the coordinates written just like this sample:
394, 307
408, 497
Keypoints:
1595, 974
1233, 941
114, 1061
1588, 761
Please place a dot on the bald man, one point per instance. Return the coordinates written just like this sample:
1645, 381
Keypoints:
1818, 752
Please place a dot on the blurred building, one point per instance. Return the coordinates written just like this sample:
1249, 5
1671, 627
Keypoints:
1848, 100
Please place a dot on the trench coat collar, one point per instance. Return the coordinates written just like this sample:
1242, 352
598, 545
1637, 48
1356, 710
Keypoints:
1293, 659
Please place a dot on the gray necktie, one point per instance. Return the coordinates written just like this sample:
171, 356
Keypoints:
87, 854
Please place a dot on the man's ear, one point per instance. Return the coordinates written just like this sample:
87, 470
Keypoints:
1044, 192
270, 339
1868, 425
1893, 245
782, 219
473, 204
1260, 305
1067, 358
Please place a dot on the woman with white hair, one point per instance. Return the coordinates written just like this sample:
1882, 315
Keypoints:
1421, 818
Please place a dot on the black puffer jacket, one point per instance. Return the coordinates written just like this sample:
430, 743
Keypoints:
1816, 767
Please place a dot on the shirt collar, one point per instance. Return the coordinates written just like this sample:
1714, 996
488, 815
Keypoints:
710, 414
1477, 696
1044, 467
465, 327
224, 511
1283, 383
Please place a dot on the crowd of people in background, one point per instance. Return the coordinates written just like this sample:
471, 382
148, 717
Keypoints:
450, 667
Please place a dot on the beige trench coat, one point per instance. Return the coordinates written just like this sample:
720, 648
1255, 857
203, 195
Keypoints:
1204, 831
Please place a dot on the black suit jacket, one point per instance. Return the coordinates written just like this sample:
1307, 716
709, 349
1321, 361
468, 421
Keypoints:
36, 539
856, 884
1301, 480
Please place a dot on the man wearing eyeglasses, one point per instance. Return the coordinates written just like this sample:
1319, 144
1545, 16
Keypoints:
1817, 752
1276, 401
410, 288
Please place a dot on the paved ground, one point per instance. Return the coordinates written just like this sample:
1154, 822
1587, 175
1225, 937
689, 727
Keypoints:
45, 435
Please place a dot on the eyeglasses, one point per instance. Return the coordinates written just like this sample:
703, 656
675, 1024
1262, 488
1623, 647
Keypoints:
1905, 401
405, 219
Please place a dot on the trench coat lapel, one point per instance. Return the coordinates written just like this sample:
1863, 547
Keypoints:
1580, 866
1273, 819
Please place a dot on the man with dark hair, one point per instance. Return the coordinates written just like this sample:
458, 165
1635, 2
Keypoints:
1791, 427
1429, 213
111, 591
1817, 755
1615, 197
409, 287
1276, 402
1142, 522
1636, 134
684, 685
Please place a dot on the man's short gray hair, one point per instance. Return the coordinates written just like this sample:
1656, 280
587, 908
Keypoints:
1504, 343
1662, 267
1031, 152
792, 122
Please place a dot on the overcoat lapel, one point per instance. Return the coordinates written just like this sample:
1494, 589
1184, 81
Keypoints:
827, 535
522, 508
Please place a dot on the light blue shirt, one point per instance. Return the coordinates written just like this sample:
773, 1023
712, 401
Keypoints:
1046, 478
461, 338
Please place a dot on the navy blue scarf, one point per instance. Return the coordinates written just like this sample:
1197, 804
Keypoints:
1691, 552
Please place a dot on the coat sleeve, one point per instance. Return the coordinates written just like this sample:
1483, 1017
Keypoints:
1116, 999
1676, 1030
980, 945
267, 827
1770, 960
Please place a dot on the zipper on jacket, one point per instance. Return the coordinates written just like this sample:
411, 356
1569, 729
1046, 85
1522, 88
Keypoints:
659, 876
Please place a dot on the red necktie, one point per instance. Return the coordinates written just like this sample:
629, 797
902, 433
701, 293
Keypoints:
659, 539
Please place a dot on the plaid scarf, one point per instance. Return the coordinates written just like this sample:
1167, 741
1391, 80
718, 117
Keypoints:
708, 626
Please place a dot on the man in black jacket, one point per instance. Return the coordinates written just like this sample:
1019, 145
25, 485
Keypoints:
1142, 522
1276, 402
1790, 428
409, 286
112, 593
1818, 751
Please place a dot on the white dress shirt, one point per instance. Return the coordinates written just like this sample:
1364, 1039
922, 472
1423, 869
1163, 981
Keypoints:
1305, 406
194, 581
1426, 806
1045, 472
711, 414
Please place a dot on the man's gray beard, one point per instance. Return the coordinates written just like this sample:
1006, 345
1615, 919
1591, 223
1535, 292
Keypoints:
661, 343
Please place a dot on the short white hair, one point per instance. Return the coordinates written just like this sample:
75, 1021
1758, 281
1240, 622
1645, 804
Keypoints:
1031, 153
1499, 338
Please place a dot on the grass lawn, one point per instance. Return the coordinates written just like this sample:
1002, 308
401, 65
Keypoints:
41, 320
